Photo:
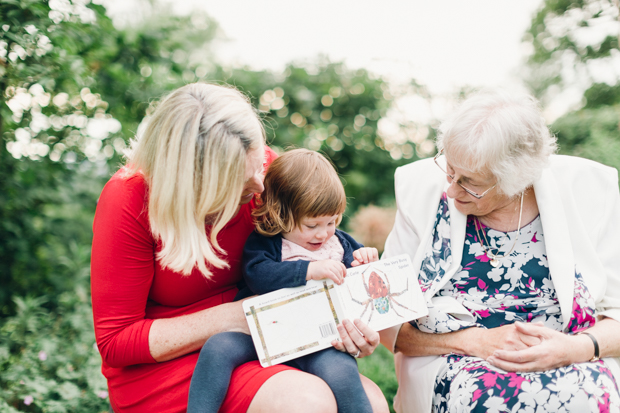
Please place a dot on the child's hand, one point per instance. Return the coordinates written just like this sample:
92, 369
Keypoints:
319, 270
364, 256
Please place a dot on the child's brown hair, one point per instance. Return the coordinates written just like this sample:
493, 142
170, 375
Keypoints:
300, 183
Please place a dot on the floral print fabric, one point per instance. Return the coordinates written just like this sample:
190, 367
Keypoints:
470, 384
519, 289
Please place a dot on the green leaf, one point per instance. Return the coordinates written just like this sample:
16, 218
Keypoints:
68, 391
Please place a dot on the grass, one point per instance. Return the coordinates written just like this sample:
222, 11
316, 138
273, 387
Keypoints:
379, 367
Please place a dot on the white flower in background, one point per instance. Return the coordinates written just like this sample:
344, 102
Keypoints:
17, 52
3, 50
87, 135
65, 10
19, 103
44, 45
101, 128
25, 146
61, 99
39, 121
31, 29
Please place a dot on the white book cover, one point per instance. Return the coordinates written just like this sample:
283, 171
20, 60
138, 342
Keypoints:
292, 322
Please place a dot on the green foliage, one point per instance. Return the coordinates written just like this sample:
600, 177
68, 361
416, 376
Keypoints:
45, 211
569, 41
379, 367
591, 133
145, 62
62, 66
569, 38
601, 94
48, 359
46, 106
45, 109
328, 108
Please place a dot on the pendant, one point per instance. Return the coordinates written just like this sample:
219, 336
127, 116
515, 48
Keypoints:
494, 261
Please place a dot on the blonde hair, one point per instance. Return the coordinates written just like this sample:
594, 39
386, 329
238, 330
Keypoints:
300, 183
192, 155
505, 134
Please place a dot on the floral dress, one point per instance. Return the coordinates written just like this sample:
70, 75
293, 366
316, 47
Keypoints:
519, 289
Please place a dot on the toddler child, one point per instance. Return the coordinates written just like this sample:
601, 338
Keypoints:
295, 240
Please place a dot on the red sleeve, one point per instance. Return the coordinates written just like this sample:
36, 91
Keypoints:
122, 270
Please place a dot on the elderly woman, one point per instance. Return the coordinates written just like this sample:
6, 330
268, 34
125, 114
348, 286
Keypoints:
517, 253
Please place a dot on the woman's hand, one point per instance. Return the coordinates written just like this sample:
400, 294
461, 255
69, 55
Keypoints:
319, 270
555, 350
364, 256
358, 339
484, 343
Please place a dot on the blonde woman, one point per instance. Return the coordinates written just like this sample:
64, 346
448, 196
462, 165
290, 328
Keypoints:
168, 236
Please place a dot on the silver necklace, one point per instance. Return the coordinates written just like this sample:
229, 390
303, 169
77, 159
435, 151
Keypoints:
495, 258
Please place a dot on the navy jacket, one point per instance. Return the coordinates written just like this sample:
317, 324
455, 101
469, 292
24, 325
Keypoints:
264, 271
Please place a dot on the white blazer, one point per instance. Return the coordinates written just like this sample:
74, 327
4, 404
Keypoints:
579, 205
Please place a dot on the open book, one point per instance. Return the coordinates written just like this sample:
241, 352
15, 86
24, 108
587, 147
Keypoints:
293, 322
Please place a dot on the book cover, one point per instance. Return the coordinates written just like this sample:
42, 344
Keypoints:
292, 322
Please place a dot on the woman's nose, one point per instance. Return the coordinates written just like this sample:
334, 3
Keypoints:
453, 189
256, 184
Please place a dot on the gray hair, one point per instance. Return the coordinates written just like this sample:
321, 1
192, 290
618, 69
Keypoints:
501, 134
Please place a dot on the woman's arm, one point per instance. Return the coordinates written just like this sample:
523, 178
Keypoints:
170, 338
515, 347
477, 342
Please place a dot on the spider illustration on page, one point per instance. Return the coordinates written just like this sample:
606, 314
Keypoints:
379, 295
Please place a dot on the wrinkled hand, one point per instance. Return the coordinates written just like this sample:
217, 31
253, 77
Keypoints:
508, 338
353, 341
319, 270
364, 256
554, 349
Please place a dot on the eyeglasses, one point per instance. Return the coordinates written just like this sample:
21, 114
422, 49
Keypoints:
452, 179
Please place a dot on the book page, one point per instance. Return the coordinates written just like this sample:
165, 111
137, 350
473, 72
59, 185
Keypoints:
293, 322
383, 293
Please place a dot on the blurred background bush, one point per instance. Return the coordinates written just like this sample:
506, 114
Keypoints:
74, 89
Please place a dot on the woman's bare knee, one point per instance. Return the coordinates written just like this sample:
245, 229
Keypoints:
375, 395
294, 391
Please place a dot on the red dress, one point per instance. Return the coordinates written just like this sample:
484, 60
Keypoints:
130, 289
